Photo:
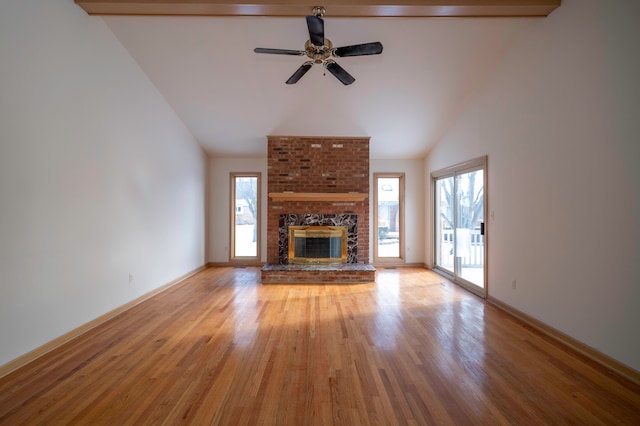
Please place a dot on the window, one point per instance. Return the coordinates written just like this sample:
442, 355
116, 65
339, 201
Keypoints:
388, 217
245, 216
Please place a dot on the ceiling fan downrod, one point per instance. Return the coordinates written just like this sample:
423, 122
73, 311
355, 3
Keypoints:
319, 11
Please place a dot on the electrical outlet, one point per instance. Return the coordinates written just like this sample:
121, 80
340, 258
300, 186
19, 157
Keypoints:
130, 277
513, 284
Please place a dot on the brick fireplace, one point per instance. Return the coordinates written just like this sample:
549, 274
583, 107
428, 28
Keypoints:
318, 181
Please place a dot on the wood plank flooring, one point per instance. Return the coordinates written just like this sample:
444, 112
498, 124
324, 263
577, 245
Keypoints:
223, 349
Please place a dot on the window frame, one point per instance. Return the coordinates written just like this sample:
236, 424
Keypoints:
232, 217
401, 208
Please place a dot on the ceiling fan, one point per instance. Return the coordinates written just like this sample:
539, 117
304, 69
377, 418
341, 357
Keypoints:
320, 50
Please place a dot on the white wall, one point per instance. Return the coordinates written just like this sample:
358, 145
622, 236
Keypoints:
414, 191
219, 221
98, 177
220, 207
559, 120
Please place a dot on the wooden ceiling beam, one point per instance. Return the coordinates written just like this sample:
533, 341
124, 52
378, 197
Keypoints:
335, 8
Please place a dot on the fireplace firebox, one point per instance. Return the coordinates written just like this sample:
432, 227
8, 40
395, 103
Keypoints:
317, 244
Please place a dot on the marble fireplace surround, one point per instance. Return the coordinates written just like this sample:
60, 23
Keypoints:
306, 219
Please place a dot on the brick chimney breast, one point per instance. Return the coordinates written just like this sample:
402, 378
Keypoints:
336, 165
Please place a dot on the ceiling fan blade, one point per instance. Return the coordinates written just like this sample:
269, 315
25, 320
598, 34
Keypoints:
340, 73
300, 72
279, 51
316, 30
374, 48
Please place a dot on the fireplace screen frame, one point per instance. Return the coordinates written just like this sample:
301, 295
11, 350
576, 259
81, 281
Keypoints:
317, 231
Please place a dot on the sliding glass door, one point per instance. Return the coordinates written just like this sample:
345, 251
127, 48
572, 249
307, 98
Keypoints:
459, 223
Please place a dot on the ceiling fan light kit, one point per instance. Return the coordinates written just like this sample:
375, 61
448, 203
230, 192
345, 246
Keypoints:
320, 50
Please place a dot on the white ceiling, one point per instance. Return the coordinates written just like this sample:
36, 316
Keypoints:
231, 98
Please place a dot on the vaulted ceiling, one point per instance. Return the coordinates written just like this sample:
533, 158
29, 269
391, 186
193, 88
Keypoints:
231, 98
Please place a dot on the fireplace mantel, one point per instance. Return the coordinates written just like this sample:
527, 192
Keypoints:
318, 196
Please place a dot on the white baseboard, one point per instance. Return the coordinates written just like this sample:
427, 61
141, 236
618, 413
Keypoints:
398, 265
594, 355
48, 347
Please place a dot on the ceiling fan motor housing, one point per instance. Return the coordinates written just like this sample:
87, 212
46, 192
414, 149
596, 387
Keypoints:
318, 53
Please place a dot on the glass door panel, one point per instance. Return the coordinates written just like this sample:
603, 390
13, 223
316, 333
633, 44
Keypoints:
469, 227
444, 224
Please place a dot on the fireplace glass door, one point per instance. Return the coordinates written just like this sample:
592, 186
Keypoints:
317, 244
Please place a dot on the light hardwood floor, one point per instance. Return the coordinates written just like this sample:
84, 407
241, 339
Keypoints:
221, 348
